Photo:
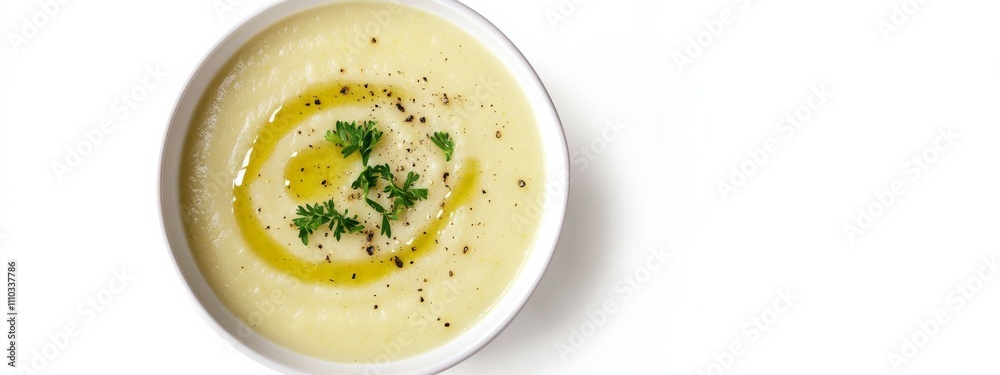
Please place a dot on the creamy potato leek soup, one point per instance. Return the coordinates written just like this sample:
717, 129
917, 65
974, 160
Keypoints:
352, 182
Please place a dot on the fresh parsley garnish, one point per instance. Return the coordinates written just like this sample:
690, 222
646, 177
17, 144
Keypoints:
406, 196
355, 138
369, 178
311, 217
386, 216
403, 197
443, 140
362, 139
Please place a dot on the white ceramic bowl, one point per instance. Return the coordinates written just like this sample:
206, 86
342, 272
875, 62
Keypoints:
441, 358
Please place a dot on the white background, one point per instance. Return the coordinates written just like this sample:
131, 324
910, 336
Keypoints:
655, 186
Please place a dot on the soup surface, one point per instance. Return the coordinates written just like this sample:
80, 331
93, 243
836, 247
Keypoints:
257, 151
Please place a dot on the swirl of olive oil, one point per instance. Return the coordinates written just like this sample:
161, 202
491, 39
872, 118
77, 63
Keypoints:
357, 272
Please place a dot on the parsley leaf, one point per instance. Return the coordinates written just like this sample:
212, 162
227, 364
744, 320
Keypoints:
386, 216
369, 178
406, 196
403, 198
444, 141
311, 217
355, 138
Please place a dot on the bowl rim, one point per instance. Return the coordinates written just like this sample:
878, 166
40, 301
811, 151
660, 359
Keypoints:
488, 326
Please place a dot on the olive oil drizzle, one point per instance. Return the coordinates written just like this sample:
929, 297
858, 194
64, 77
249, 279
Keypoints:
317, 173
358, 272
